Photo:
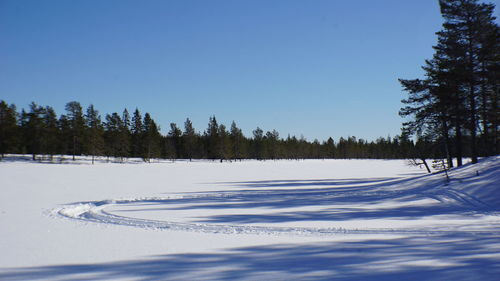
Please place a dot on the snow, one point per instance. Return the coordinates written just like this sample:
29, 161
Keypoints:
249, 220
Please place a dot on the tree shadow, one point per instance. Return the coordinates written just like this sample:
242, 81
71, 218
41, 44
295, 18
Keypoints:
447, 257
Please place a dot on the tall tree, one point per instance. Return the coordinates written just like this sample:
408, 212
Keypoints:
95, 132
174, 137
212, 139
151, 139
77, 126
50, 132
237, 141
32, 125
8, 128
447, 101
137, 129
188, 139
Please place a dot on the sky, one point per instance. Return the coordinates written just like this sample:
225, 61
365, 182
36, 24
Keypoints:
322, 68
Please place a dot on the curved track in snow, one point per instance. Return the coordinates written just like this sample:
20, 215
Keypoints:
422, 205
99, 212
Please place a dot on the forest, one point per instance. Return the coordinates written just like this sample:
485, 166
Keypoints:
39, 131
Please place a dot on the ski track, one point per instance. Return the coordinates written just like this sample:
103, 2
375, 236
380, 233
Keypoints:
96, 212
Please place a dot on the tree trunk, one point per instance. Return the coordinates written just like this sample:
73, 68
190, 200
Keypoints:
426, 165
458, 145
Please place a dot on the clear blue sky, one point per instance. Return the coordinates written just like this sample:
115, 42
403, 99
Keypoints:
317, 68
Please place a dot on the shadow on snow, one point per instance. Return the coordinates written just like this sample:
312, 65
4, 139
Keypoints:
450, 257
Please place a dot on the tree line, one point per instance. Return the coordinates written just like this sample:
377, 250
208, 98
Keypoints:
455, 107
40, 132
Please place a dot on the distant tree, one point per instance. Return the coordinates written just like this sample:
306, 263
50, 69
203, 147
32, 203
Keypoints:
151, 139
330, 148
50, 132
188, 139
174, 137
258, 143
8, 129
238, 142
272, 144
212, 139
112, 134
32, 126
77, 126
137, 132
225, 145
124, 135
95, 132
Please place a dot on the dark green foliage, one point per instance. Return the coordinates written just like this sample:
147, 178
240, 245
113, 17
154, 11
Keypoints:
119, 136
9, 132
458, 99
76, 127
151, 139
189, 139
95, 133
174, 145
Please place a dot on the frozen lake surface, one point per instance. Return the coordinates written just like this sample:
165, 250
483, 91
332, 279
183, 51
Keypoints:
278, 220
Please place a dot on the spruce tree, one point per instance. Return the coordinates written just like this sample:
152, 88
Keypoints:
212, 139
137, 130
189, 139
238, 142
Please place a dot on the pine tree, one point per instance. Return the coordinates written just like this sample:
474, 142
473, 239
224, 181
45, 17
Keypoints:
77, 126
50, 132
8, 129
112, 134
95, 132
174, 137
447, 101
258, 143
32, 125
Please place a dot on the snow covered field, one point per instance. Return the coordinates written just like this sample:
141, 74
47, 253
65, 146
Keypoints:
251, 220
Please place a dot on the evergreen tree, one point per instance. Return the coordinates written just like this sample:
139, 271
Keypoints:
174, 137
258, 143
124, 136
447, 101
238, 142
112, 134
32, 126
137, 131
189, 139
50, 132
225, 151
8, 129
77, 126
95, 132
151, 139
212, 139
470, 22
